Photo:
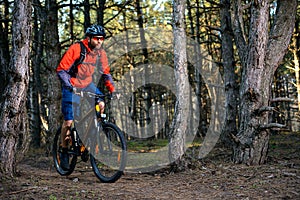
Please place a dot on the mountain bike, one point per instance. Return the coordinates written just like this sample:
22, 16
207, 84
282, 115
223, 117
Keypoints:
102, 141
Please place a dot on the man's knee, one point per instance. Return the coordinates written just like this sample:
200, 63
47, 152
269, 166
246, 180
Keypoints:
101, 105
67, 123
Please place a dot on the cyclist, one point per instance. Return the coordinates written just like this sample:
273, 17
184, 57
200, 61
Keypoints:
75, 78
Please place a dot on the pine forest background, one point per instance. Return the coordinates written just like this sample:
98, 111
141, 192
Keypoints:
55, 25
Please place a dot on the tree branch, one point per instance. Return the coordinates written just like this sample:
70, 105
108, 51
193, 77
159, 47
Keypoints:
237, 27
281, 31
272, 125
216, 28
213, 2
120, 11
280, 99
264, 109
246, 6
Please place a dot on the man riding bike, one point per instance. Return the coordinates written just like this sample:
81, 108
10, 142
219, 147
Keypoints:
76, 76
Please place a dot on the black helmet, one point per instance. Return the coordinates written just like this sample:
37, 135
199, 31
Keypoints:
95, 30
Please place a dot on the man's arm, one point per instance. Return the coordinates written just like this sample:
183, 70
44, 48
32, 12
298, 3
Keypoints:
107, 78
66, 63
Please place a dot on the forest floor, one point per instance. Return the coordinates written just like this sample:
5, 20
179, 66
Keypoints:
214, 177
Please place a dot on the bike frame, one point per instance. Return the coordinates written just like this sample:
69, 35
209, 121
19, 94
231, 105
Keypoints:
91, 123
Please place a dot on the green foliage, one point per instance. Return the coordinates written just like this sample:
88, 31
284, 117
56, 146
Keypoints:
138, 145
52, 197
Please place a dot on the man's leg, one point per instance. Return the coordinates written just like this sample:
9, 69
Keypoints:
67, 110
65, 133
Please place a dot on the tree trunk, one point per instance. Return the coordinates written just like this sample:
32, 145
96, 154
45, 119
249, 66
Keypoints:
13, 128
140, 21
71, 17
180, 122
87, 17
100, 12
296, 53
196, 46
53, 56
230, 77
35, 86
260, 56
146, 89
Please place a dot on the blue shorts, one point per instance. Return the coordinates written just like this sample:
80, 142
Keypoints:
71, 102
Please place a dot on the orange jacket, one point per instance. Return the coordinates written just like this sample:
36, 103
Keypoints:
86, 69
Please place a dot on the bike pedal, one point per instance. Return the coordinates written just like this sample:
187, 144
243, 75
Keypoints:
85, 155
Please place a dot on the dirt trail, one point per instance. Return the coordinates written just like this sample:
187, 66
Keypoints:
215, 177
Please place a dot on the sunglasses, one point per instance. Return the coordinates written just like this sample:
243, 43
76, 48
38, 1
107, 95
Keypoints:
96, 38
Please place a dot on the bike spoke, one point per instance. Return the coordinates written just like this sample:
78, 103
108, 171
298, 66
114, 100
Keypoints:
109, 163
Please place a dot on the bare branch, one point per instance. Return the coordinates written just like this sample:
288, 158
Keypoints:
281, 31
237, 26
265, 109
120, 11
280, 99
213, 2
272, 125
214, 28
246, 6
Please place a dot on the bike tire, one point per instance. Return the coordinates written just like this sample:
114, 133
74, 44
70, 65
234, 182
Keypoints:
108, 157
55, 153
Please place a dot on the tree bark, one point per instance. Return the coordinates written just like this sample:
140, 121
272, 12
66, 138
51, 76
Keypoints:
146, 89
13, 128
230, 78
296, 52
35, 86
53, 56
260, 56
180, 122
100, 12
87, 17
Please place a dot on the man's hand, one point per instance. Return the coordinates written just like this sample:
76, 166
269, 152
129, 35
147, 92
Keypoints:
72, 89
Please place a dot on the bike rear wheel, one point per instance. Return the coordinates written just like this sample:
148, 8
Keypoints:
57, 150
108, 155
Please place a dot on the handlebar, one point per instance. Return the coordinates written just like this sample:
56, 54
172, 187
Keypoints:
92, 94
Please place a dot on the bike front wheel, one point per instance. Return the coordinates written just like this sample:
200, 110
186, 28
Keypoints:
57, 150
108, 155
